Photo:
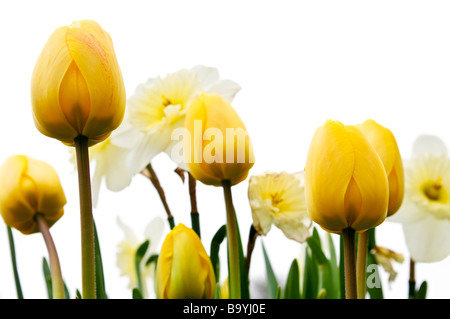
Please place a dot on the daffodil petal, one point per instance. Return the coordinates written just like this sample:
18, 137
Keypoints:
429, 144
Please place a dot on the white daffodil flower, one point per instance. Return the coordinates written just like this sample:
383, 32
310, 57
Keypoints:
425, 213
279, 199
127, 251
158, 107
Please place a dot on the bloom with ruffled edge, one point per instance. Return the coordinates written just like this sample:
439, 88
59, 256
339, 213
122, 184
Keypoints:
127, 251
279, 199
158, 107
425, 213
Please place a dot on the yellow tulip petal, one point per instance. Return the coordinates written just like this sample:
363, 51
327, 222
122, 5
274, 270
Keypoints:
329, 169
48, 73
92, 51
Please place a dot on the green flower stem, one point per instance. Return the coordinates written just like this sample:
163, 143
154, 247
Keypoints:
348, 236
253, 235
14, 263
195, 217
361, 263
234, 274
155, 181
55, 267
86, 217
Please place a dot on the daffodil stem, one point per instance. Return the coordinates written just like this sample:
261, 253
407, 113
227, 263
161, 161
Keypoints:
195, 217
14, 263
253, 235
361, 263
412, 279
86, 218
233, 244
55, 267
348, 236
155, 181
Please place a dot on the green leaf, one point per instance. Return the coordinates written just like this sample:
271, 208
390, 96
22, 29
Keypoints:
137, 294
310, 277
422, 292
278, 293
47, 277
78, 294
217, 291
139, 255
215, 248
100, 289
272, 282
245, 291
292, 288
374, 292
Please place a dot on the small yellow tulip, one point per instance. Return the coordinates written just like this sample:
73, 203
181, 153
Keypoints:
77, 86
184, 270
346, 184
385, 144
216, 143
29, 186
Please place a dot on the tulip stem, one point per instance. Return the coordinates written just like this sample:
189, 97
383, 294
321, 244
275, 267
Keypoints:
55, 267
253, 235
234, 274
86, 217
361, 263
14, 263
412, 279
348, 236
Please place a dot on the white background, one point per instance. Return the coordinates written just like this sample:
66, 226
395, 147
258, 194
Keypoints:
298, 63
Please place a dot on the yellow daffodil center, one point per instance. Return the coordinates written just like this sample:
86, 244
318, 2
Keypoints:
277, 198
434, 191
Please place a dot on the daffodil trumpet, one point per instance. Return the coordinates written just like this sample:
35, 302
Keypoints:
86, 218
55, 267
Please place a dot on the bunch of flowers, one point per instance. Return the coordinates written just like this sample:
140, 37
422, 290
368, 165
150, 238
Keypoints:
353, 180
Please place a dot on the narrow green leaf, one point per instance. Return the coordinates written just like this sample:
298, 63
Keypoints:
139, 255
422, 292
310, 277
12, 249
78, 294
215, 248
66, 292
217, 291
100, 289
272, 282
334, 263
373, 279
245, 291
278, 293
137, 294
47, 277
292, 288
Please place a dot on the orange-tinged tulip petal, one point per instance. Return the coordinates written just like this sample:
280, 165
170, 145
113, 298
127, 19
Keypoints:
77, 87
346, 185
29, 186
386, 146
217, 147
184, 269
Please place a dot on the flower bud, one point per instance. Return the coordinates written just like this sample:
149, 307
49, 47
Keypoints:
29, 186
184, 270
346, 184
77, 87
385, 145
216, 143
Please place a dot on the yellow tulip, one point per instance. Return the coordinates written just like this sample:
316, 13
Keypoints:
29, 186
385, 144
346, 184
77, 86
216, 143
184, 270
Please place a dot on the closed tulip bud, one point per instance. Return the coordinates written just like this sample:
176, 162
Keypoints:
29, 186
77, 86
385, 144
184, 270
346, 184
216, 143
